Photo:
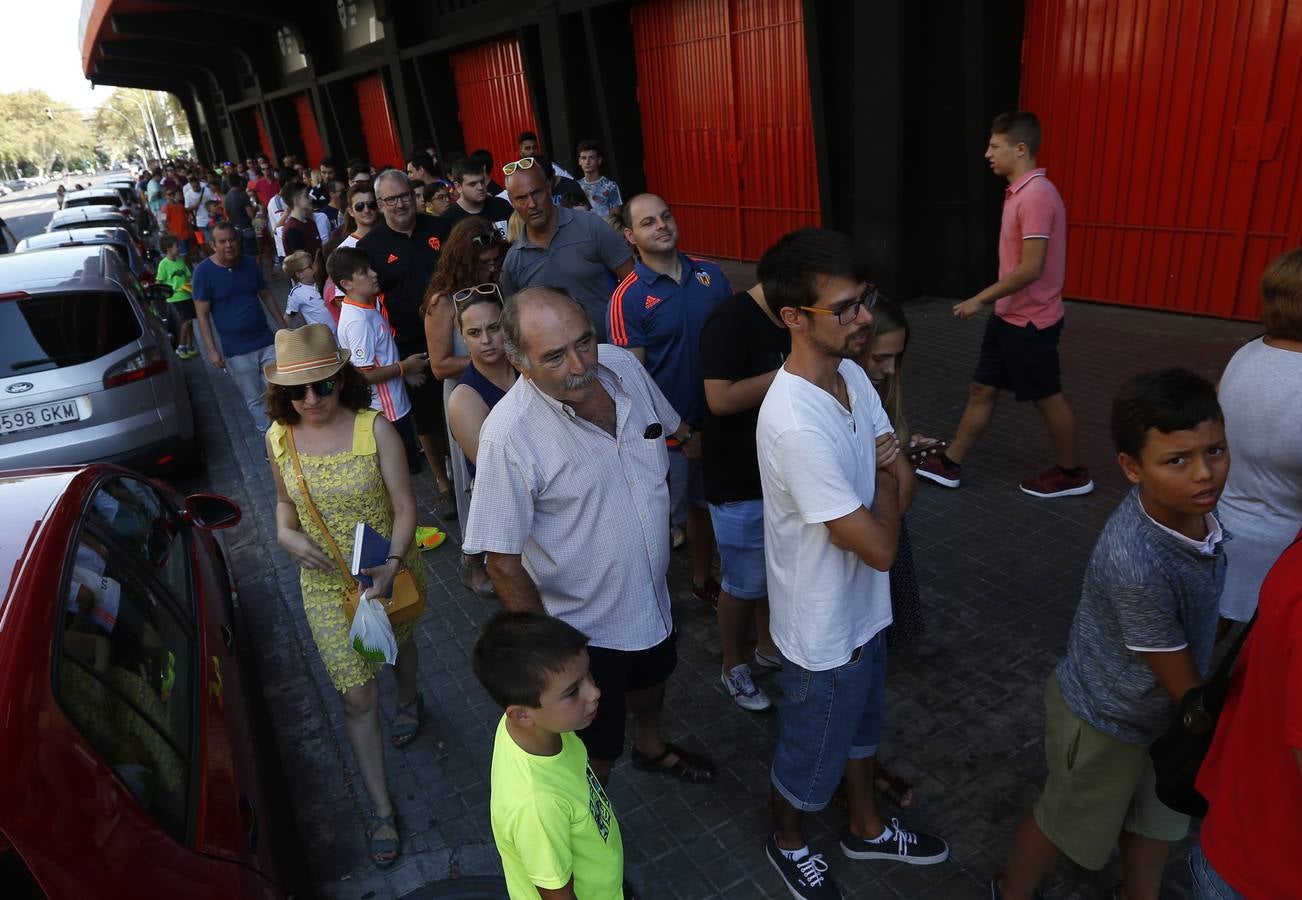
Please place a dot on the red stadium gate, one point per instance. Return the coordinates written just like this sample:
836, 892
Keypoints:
264, 139
721, 83
1174, 132
308, 131
382, 146
493, 99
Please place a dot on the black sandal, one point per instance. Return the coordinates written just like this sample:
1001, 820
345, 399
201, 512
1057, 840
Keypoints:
384, 851
691, 767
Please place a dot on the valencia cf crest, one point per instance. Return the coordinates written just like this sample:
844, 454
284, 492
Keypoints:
434, 243
703, 277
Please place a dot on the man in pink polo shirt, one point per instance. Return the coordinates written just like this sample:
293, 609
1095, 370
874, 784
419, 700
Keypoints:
1020, 349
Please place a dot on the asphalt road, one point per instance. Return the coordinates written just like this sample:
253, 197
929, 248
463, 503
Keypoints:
27, 212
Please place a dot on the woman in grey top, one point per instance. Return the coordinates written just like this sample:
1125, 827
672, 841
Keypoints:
1261, 393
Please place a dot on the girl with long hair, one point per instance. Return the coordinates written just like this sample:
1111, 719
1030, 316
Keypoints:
472, 255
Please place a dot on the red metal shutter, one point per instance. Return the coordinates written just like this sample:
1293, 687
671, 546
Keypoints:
264, 139
721, 83
493, 99
382, 146
1172, 133
307, 128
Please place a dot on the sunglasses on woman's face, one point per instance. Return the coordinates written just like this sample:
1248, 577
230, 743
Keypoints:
365, 204
320, 388
461, 297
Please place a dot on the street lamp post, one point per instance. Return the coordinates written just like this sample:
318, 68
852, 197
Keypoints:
49, 114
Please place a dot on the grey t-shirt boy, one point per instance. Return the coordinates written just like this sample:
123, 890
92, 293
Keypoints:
1146, 589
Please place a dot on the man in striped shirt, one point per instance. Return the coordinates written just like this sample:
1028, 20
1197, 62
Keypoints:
364, 331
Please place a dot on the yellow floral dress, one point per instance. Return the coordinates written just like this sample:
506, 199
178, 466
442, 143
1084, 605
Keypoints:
347, 488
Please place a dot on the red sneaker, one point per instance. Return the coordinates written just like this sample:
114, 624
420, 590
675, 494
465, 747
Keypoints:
1053, 482
933, 468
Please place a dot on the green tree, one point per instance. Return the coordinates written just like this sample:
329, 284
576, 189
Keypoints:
127, 121
39, 134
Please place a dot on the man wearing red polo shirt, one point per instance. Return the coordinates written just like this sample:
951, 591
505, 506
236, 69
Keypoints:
1020, 349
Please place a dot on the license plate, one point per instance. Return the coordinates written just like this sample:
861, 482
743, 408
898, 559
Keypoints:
39, 416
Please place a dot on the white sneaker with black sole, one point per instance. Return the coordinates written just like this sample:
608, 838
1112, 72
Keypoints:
897, 845
806, 878
741, 688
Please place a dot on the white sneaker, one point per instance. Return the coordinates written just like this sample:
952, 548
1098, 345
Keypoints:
743, 691
764, 661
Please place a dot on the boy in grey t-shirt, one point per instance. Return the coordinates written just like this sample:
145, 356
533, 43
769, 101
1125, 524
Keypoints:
1141, 639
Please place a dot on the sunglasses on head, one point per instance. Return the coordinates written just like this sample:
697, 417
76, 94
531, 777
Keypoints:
462, 297
366, 204
484, 240
322, 388
526, 163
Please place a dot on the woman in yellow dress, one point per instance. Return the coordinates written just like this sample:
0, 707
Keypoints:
356, 471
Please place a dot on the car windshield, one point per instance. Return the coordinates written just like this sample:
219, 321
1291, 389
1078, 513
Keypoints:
91, 201
50, 331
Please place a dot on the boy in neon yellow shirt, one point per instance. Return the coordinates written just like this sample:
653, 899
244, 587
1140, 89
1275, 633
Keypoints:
175, 272
552, 821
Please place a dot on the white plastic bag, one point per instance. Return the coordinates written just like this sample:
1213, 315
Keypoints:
371, 635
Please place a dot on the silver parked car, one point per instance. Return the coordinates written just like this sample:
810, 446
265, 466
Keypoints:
118, 238
86, 371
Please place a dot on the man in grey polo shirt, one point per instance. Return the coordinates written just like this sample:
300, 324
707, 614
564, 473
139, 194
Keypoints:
570, 503
561, 247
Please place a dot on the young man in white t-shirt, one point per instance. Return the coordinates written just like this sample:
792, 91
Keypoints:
364, 331
835, 484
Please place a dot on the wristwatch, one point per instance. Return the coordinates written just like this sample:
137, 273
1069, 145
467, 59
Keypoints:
687, 438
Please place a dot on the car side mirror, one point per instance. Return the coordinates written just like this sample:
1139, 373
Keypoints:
158, 293
211, 512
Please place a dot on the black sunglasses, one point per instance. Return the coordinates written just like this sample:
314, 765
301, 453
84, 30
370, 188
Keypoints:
321, 388
372, 205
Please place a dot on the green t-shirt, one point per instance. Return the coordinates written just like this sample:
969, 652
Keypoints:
176, 273
552, 820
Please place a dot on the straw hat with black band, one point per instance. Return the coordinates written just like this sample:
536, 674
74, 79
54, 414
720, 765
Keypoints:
305, 355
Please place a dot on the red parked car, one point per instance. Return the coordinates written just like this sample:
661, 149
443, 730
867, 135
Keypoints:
127, 749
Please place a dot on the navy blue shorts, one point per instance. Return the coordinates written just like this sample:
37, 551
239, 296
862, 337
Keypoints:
616, 672
1021, 359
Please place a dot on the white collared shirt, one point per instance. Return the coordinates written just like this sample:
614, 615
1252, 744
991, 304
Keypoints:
1207, 546
587, 512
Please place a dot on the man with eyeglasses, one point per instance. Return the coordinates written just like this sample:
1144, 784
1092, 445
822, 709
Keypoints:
657, 312
560, 247
473, 199
832, 506
404, 251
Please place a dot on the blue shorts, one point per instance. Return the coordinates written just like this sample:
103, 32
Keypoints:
686, 485
825, 719
739, 535
183, 245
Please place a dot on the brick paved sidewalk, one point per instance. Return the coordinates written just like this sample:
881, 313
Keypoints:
1000, 574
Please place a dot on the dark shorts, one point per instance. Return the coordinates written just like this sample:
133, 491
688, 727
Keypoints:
616, 672
407, 432
182, 309
1023, 360
427, 406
